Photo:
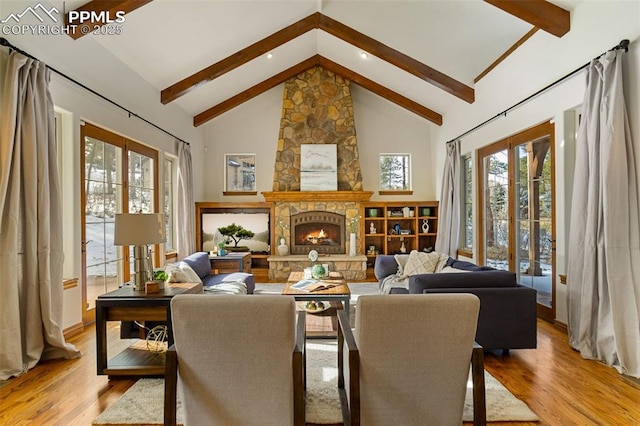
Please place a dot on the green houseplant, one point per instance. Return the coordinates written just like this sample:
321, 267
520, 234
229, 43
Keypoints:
221, 248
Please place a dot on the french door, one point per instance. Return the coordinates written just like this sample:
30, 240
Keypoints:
117, 175
517, 208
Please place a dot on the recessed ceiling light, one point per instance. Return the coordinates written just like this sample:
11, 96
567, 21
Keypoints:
364, 55
269, 55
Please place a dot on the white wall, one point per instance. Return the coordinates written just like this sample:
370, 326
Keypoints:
595, 27
381, 126
77, 104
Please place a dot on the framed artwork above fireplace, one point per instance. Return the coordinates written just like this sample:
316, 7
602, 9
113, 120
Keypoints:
318, 167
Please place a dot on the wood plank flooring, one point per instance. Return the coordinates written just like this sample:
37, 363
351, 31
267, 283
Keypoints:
556, 383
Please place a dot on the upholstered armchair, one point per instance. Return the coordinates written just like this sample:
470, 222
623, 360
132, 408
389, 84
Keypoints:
408, 360
240, 361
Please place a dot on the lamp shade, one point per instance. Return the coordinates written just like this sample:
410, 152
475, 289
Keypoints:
134, 229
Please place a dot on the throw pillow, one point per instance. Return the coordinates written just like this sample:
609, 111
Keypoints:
401, 260
175, 274
423, 263
191, 275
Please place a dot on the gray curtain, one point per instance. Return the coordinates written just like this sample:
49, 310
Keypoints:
603, 274
31, 256
449, 212
186, 234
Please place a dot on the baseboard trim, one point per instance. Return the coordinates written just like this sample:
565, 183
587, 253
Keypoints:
560, 325
73, 330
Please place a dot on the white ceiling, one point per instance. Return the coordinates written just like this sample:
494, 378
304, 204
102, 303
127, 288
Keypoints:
168, 40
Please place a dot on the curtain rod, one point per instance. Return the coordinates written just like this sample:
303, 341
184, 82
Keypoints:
624, 44
7, 43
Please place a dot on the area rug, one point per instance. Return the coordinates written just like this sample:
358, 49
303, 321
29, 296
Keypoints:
142, 404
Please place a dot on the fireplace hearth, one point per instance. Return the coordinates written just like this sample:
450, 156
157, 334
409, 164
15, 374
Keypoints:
318, 230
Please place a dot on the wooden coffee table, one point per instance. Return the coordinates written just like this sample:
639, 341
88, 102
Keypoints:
339, 293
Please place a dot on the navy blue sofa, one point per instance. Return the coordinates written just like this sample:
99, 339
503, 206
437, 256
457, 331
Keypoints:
508, 310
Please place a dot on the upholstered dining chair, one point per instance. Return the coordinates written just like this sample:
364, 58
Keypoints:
240, 361
407, 361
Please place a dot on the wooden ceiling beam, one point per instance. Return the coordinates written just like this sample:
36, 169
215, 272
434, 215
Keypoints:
311, 62
382, 91
239, 58
397, 58
98, 6
333, 27
509, 51
254, 91
539, 13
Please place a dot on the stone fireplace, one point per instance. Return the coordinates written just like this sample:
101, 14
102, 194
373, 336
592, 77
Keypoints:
318, 230
317, 109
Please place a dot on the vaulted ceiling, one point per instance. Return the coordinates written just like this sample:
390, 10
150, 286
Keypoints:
424, 55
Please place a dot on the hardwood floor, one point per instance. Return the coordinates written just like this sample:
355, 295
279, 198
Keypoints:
556, 383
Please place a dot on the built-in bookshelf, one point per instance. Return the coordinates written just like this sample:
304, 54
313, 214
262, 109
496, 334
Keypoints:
398, 227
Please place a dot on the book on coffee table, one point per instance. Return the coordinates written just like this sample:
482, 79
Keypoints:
313, 285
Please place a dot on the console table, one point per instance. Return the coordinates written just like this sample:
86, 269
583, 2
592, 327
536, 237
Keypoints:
127, 304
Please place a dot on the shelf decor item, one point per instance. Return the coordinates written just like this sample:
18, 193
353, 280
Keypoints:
318, 271
352, 244
352, 235
283, 248
425, 226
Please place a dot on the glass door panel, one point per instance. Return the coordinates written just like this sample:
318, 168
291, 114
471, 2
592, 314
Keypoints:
103, 190
496, 226
516, 210
534, 237
141, 190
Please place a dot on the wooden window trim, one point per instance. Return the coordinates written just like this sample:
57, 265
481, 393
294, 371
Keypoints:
391, 192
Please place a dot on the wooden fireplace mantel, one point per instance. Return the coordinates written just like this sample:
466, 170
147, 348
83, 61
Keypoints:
298, 196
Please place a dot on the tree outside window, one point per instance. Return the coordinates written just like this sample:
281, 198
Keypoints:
395, 172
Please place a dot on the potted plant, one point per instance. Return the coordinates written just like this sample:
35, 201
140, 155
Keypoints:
221, 248
160, 276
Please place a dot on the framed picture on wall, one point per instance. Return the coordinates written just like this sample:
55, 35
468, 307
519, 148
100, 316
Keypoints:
318, 167
240, 174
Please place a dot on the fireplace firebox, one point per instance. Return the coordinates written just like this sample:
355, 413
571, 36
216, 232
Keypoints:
318, 230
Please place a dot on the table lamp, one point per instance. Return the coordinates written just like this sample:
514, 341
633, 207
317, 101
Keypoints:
140, 230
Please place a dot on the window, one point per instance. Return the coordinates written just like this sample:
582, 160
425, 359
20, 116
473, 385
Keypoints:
117, 175
467, 204
239, 174
169, 217
395, 173
516, 209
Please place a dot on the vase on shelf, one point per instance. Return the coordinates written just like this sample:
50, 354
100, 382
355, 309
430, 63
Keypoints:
283, 248
352, 244
403, 248
425, 226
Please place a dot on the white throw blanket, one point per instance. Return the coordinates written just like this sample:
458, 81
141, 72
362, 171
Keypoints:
394, 281
227, 287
